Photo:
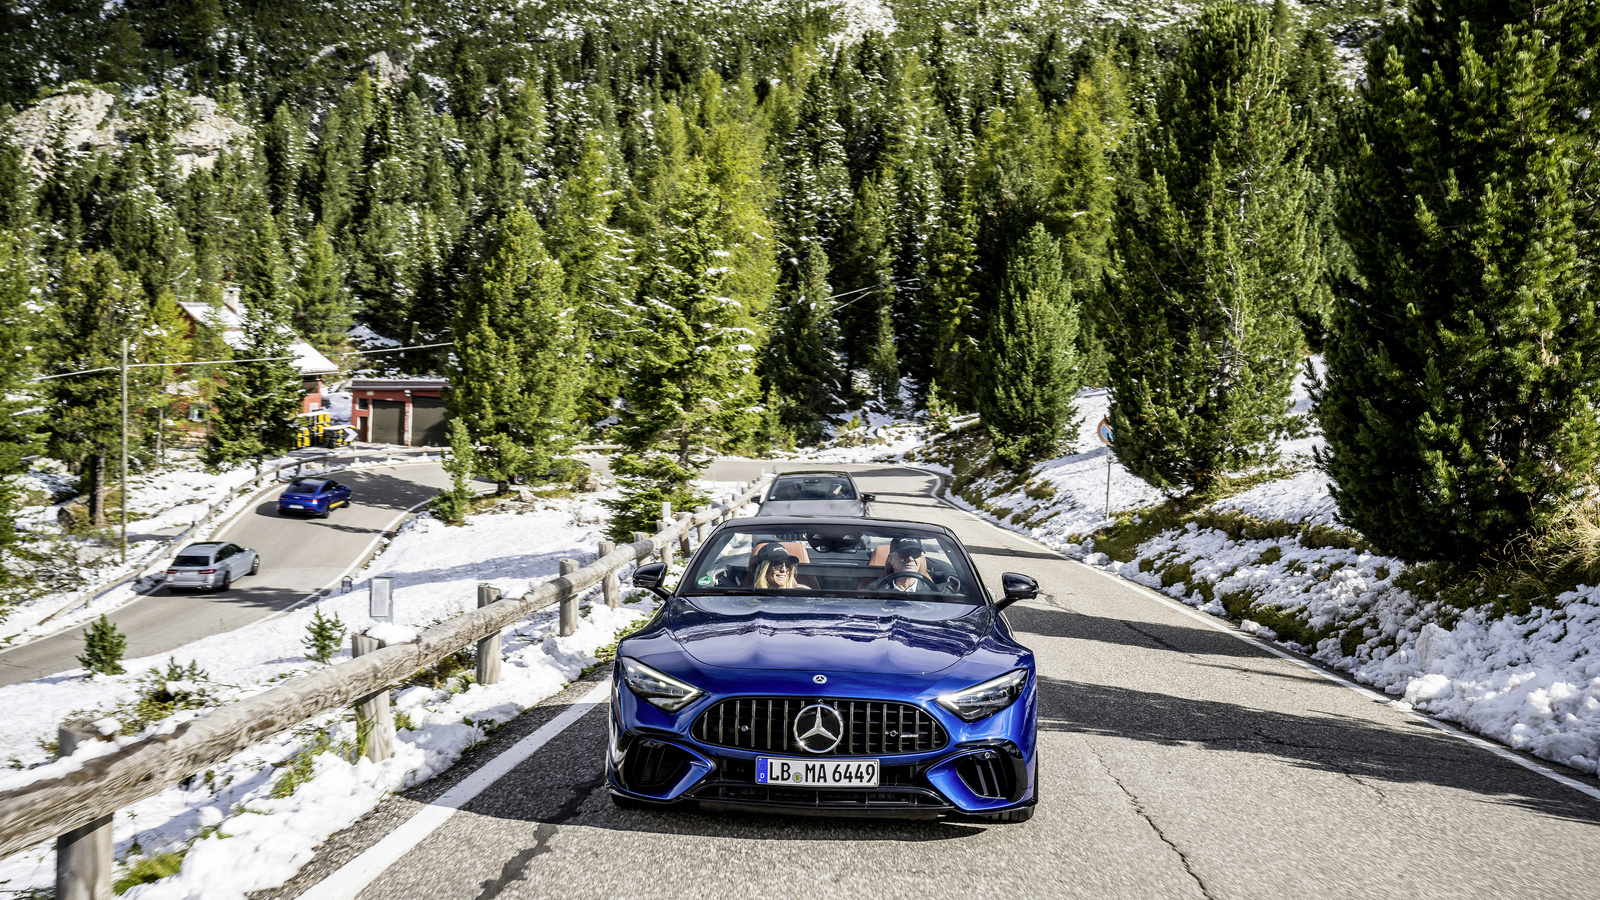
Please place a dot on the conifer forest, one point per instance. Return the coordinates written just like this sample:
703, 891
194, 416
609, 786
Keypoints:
726, 226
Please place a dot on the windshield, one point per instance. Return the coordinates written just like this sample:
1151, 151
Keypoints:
306, 486
811, 487
834, 560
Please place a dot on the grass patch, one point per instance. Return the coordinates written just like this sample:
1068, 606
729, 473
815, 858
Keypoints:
297, 770
609, 651
149, 868
455, 673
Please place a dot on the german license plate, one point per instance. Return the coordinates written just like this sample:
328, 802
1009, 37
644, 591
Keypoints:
862, 773
296, 506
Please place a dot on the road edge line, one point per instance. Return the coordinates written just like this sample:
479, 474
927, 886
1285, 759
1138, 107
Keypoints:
1228, 628
354, 876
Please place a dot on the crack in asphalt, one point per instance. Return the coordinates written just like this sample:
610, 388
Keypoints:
1139, 808
516, 868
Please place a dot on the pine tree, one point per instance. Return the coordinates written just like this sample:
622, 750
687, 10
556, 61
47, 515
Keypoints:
692, 390
950, 302
454, 502
255, 406
19, 271
321, 308
1030, 371
595, 257
97, 306
1215, 256
519, 356
1462, 373
103, 647
324, 637
802, 363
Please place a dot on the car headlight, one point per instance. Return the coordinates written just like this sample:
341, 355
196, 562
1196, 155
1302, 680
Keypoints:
987, 698
658, 688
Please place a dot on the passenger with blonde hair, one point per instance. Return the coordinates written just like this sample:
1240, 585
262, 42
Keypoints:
775, 568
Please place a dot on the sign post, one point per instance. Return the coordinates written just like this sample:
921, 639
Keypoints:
1103, 430
380, 604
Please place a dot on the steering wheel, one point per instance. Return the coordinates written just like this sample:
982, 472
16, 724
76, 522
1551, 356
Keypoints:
887, 580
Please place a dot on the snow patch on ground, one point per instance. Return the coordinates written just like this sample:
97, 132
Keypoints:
1531, 682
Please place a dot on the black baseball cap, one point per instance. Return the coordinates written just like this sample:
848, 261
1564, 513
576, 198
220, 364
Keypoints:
776, 553
906, 546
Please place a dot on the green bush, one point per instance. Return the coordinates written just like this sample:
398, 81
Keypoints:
324, 637
103, 646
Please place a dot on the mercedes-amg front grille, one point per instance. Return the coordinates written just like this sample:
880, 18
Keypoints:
871, 727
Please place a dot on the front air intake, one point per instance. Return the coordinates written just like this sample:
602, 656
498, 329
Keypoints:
991, 774
652, 766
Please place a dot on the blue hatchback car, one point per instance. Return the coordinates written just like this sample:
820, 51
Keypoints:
313, 496
835, 666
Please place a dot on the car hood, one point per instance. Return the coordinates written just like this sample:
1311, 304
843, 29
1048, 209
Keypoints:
828, 634
810, 508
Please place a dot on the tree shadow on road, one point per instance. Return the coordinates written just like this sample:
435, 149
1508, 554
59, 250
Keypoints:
1405, 752
1190, 639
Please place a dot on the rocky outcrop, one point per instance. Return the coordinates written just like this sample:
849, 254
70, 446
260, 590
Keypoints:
87, 121
387, 72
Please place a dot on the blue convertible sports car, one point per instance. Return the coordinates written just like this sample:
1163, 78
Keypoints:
827, 666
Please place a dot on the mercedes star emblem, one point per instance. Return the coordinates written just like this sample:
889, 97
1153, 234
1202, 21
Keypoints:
818, 728
820, 679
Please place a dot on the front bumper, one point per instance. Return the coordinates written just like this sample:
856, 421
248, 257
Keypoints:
986, 767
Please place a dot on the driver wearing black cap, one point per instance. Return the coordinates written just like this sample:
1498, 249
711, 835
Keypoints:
905, 555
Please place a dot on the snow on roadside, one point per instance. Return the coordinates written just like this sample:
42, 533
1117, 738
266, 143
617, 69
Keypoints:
436, 570
1531, 682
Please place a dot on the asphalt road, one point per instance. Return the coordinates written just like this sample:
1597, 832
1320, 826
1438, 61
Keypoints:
298, 557
1177, 761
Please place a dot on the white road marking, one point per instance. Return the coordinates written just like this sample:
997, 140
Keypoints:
354, 876
1228, 628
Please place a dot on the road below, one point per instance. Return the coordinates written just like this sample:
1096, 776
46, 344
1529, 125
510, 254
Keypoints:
298, 557
1177, 761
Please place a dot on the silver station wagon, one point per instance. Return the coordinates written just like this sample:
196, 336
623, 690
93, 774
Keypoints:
211, 566
815, 494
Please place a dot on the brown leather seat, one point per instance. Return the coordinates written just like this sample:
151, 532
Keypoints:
796, 550
880, 560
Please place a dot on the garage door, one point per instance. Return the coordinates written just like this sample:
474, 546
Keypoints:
428, 420
388, 422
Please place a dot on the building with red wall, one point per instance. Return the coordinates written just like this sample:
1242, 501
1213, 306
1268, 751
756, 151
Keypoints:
406, 411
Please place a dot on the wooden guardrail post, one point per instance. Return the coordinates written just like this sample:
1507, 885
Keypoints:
489, 647
684, 543
610, 585
569, 603
666, 546
374, 722
84, 859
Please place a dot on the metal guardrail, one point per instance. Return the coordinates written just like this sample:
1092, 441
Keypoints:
91, 792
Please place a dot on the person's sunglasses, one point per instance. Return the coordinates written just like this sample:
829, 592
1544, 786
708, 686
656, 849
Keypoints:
783, 564
909, 552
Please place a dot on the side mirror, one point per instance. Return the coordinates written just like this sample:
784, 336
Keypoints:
868, 498
650, 578
1016, 587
